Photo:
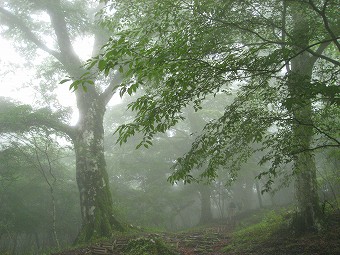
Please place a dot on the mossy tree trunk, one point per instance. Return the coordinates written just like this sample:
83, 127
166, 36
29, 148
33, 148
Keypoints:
97, 212
299, 85
92, 178
304, 163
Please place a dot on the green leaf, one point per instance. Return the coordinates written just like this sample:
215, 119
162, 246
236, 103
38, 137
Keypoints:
91, 64
63, 81
74, 85
121, 69
106, 71
129, 91
122, 92
90, 82
101, 65
84, 87
84, 75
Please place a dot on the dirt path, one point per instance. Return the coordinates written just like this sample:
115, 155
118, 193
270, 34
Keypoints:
206, 241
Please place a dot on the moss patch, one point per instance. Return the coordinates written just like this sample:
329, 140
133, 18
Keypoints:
274, 236
248, 238
148, 246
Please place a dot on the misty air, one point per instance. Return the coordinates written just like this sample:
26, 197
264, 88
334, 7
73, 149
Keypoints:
169, 127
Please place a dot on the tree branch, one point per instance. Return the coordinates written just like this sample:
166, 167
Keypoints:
54, 124
318, 54
318, 129
283, 31
115, 82
21, 118
291, 120
322, 13
70, 59
316, 148
16, 22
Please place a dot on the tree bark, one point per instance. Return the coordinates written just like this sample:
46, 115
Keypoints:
98, 219
299, 81
95, 197
304, 167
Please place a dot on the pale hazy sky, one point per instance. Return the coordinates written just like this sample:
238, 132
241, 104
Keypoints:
14, 75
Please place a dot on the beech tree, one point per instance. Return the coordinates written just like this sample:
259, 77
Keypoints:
67, 20
279, 59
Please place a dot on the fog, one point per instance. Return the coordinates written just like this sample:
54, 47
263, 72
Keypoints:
121, 121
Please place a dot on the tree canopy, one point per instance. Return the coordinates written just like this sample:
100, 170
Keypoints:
278, 58
183, 51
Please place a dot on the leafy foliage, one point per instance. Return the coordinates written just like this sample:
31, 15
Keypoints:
182, 52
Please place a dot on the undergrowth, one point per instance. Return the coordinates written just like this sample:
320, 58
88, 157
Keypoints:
148, 246
247, 238
275, 235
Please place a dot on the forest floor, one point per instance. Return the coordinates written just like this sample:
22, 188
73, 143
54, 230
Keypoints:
255, 233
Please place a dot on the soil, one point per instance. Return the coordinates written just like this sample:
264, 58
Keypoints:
206, 241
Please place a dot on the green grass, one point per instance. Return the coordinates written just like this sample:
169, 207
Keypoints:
275, 235
251, 236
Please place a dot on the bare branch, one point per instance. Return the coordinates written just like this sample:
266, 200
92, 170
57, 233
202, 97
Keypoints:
297, 121
316, 148
317, 54
69, 58
319, 130
25, 120
283, 31
322, 13
111, 89
14, 21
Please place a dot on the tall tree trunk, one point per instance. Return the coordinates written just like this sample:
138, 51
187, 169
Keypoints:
304, 165
258, 192
95, 197
206, 215
98, 219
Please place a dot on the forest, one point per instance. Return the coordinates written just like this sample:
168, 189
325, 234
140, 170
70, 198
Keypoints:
169, 127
